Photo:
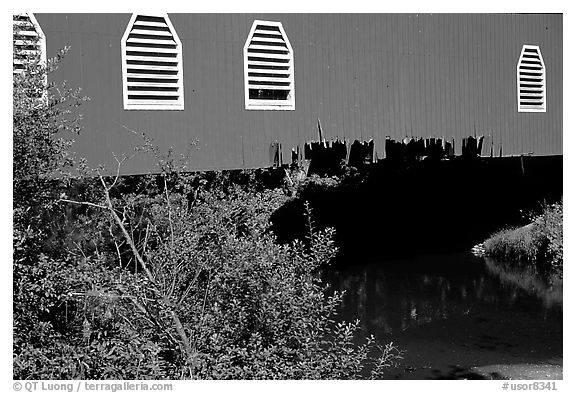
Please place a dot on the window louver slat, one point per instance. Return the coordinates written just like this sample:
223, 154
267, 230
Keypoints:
150, 43
158, 57
531, 73
155, 39
158, 77
267, 47
153, 19
23, 43
146, 30
268, 67
150, 61
151, 52
152, 56
152, 93
266, 64
271, 57
278, 40
268, 79
139, 24
26, 53
147, 84
28, 33
269, 73
143, 67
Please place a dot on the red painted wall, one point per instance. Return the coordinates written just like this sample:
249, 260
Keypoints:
364, 75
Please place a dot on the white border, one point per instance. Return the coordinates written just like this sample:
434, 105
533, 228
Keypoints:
253, 104
163, 106
301, 6
543, 107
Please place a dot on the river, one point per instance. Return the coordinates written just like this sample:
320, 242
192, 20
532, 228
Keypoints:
456, 316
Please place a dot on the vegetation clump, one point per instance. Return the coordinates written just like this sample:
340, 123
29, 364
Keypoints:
536, 246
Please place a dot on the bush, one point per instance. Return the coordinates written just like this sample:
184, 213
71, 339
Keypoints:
41, 118
259, 309
250, 308
537, 246
549, 226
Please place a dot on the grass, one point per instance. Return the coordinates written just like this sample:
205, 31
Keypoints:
537, 245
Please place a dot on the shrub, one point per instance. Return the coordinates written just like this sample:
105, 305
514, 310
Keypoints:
250, 308
41, 113
549, 226
259, 309
537, 246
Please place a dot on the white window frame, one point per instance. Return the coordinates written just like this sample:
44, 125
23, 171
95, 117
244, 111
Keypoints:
41, 38
153, 105
524, 108
281, 105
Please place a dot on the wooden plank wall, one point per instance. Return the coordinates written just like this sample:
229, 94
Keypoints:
364, 75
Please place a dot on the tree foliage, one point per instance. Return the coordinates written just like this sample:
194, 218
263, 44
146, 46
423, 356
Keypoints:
42, 118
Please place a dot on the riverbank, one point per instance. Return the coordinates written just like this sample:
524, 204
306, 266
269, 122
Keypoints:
521, 371
536, 246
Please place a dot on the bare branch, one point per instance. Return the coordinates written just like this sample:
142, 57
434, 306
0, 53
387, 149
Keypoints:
165, 299
169, 213
80, 249
173, 283
82, 203
119, 162
96, 248
145, 238
190, 285
205, 297
127, 236
129, 129
103, 294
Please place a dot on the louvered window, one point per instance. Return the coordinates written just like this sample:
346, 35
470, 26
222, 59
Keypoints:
268, 68
152, 64
29, 44
531, 80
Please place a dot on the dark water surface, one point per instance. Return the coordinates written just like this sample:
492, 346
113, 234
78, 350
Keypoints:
453, 314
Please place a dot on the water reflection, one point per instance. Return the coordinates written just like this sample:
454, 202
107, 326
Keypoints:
529, 281
452, 312
397, 295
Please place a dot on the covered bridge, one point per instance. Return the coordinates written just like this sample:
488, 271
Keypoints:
221, 89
